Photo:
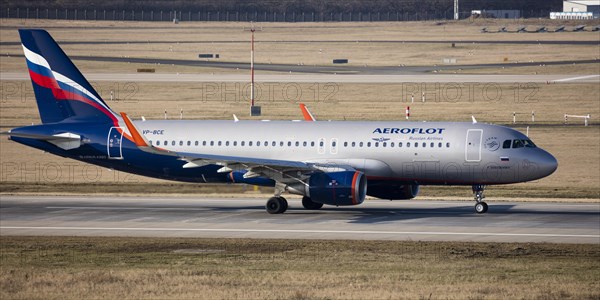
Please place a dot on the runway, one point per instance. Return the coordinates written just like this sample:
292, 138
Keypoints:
326, 78
420, 220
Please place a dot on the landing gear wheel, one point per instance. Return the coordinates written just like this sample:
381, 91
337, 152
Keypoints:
309, 204
276, 205
481, 207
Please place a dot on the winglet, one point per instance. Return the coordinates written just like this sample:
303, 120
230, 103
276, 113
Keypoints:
306, 113
138, 138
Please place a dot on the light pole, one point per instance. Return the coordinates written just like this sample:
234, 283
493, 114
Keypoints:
254, 110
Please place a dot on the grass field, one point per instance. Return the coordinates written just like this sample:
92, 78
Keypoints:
134, 268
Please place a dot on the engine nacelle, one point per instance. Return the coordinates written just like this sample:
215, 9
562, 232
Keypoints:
338, 188
394, 192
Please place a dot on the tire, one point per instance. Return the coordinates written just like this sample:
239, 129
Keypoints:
309, 204
481, 207
276, 205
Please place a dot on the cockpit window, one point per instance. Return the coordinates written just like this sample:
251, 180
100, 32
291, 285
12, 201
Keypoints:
519, 144
529, 144
506, 144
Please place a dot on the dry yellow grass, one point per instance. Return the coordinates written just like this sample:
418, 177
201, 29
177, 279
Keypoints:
279, 43
134, 268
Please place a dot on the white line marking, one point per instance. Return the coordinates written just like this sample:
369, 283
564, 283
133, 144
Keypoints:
576, 78
303, 231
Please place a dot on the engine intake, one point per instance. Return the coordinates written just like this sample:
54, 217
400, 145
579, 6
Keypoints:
338, 188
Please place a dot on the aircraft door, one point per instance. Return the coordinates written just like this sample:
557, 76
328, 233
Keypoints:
473, 145
113, 143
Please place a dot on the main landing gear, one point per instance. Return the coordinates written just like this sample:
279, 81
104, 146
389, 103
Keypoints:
309, 204
480, 207
277, 205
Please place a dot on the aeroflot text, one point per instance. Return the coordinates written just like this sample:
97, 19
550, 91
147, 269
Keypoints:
409, 130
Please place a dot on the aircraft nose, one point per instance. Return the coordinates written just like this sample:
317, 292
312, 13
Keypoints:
546, 162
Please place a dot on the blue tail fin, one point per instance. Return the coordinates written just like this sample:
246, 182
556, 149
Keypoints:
61, 92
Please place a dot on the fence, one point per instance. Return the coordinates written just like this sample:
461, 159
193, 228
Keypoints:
234, 16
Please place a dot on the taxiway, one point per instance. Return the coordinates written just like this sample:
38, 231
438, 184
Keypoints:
422, 220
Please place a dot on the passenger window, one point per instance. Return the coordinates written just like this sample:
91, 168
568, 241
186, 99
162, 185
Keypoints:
432, 144
333, 144
257, 143
203, 143
196, 143
517, 144
407, 144
392, 144
353, 144
243, 143
360, 144
447, 145
219, 144
424, 144
321, 144
416, 145
305, 143
297, 144
173, 143
281, 144
506, 144
227, 143
399, 144
150, 141
289, 144
376, 144
312, 144
345, 144
368, 144
274, 144
250, 143
234, 143
440, 145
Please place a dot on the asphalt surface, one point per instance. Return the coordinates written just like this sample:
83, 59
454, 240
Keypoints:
319, 69
326, 78
246, 218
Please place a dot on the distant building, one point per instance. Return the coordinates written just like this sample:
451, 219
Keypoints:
579, 6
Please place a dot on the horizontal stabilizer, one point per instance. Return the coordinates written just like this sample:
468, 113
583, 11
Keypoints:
66, 141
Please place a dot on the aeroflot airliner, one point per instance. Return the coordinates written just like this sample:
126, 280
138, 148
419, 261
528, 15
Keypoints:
333, 163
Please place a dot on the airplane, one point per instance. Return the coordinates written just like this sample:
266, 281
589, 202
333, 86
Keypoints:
484, 30
503, 29
596, 28
541, 29
328, 163
522, 29
579, 28
560, 29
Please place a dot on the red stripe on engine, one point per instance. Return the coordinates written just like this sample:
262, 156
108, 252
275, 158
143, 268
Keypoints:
356, 174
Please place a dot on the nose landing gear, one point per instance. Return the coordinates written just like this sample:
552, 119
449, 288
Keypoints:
480, 207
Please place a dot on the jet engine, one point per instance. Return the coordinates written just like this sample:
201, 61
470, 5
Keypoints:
338, 188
